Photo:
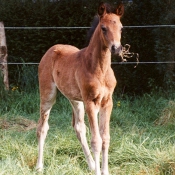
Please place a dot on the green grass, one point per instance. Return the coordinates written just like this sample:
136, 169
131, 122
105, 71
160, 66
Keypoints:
142, 136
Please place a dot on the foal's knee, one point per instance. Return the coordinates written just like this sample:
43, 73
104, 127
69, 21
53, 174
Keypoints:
80, 129
105, 145
105, 142
96, 144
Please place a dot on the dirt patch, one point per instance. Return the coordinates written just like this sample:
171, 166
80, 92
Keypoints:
17, 124
167, 115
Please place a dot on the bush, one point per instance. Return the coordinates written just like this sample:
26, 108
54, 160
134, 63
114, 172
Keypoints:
30, 45
152, 44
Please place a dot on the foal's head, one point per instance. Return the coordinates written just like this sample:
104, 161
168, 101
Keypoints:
110, 26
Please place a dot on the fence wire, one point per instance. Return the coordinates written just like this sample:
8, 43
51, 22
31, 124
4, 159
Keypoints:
81, 27
115, 63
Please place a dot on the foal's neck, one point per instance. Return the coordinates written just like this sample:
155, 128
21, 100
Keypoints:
98, 54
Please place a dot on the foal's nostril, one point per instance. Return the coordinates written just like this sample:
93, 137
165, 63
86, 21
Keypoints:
116, 50
113, 48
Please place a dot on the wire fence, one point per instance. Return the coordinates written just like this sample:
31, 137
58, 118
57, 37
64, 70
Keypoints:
115, 63
48, 28
69, 28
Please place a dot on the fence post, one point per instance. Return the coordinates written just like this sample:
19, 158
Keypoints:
3, 56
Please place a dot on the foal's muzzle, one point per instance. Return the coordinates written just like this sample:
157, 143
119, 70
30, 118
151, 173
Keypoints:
116, 50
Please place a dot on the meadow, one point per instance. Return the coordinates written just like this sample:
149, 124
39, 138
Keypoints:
142, 136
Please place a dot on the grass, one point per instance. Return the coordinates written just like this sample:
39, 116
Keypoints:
142, 136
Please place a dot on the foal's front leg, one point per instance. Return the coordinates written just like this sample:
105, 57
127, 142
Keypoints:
104, 119
92, 110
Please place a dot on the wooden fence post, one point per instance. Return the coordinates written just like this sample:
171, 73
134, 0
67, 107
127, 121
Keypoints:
3, 56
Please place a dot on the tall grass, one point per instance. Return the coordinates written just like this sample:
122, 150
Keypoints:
23, 77
141, 144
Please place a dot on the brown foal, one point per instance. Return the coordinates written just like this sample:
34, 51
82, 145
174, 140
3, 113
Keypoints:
86, 79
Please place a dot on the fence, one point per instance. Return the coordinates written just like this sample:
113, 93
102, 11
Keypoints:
44, 28
67, 28
127, 78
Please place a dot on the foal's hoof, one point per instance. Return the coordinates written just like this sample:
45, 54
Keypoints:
91, 166
39, 168
105, 173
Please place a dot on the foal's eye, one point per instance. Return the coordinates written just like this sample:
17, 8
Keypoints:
104, 29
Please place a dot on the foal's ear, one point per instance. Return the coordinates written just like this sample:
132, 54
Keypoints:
120, 10
101, 9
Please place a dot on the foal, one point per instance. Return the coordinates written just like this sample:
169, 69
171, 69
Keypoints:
86, 79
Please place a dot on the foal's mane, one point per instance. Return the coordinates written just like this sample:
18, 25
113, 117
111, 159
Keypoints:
109, 9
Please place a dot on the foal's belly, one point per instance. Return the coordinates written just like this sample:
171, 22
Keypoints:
67, 85
70, 93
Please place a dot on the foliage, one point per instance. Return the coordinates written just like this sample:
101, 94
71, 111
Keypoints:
30, 45
165, 46
152, 44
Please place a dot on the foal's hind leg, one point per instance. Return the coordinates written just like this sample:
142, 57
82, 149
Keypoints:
47, 99
80, 128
